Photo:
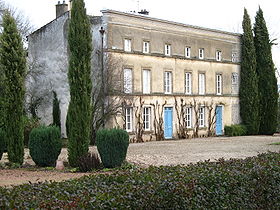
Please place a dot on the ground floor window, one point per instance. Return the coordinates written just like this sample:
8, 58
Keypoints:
188, 117
128, 119
201, 119
147, 118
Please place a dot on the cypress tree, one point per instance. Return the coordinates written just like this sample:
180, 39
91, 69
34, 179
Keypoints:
248, 91
56, 111
79, 72
13, 62
266, 74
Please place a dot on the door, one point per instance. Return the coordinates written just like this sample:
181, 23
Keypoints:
168, 116
219, 120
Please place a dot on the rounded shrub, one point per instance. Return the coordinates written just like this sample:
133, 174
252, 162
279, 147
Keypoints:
235, 130
112, 146
45, 145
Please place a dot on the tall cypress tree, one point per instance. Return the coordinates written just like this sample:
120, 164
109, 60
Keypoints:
266, 74
79, 111
248, 91
56, 111
13, 62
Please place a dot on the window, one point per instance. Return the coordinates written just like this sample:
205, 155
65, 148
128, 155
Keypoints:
234, 57
188, 117
219, 83
201, 53
201, 119
218, 55
168, 49
188, 52
128, 118
167, 82
146, 47
188, 80
234, 78
127, 80
146, 81
127, 45
147, 118
201, 84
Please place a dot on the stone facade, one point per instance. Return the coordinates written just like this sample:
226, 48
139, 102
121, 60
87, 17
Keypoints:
184, 63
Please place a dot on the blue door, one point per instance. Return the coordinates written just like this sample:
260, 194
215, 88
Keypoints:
168, 122
219, 120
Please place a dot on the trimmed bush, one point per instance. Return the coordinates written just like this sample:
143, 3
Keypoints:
3, 146
251, 183
45, 145
89, 162
235, 130
112, 146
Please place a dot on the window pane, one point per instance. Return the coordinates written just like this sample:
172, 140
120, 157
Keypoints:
127, 80
201, 88
146, 81
188, 85
147, 118
128, 118
127, 45
167, 82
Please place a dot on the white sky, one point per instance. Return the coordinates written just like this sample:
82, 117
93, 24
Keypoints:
217, 14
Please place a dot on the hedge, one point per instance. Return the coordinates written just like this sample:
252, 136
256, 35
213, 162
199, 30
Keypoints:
235, 130
252, 183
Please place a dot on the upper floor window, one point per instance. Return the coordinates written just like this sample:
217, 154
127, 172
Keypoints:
219, 83
188, 117
188, 80
147, 118
234, 78
128, 118
146, 81
201, 117
234, 57
146, 47
167, 82
218, 55
201, 53
127, 45
127, 74
167, 49
188, 52
201, 84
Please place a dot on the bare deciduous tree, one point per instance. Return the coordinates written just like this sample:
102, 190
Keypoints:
158, 120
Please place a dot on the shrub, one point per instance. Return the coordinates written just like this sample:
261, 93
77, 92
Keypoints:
251, 183
88, 162
45, 145
235, 130
29, 124
112, 146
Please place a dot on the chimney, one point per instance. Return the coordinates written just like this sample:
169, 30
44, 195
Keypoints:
61, 8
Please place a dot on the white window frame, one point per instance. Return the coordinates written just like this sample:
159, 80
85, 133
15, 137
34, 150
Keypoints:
146, 81
201, 83
127, 80
127, 45
234, 57
187, 52
218, 55
146, 47
167, 82
234, 78
219, 84
188, 83
129, 119
201, 53
147, 118
167, 49
188, 117
201, 116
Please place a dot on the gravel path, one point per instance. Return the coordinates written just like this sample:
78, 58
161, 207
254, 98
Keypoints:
171, 152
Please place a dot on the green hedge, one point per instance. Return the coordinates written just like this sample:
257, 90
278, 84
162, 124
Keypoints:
112, 146
235, 130
252, 183
45, 145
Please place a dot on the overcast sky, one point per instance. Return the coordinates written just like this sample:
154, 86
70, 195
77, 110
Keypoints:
218, 14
